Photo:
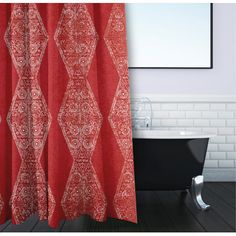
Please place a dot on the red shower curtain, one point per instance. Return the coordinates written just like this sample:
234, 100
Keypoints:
65, 126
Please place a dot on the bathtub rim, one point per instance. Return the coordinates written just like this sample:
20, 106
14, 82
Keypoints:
157, 133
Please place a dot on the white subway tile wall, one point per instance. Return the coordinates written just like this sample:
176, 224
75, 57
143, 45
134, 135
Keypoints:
214, 117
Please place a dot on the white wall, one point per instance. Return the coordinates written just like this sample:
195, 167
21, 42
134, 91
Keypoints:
219, 80
200, 99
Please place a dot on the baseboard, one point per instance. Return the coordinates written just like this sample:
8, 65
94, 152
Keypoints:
219, 174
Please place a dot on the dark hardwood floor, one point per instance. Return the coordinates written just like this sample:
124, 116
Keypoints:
158, 211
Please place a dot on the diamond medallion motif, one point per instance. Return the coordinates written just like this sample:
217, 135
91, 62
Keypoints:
119, 116
26, 39
28, 117
79, 116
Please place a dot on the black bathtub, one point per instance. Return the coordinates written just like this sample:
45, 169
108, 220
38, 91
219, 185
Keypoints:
170, 160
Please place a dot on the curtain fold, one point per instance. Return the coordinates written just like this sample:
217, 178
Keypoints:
65, 122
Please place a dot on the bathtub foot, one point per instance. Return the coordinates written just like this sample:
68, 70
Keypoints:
196, 190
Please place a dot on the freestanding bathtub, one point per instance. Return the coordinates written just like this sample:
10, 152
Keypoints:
170, 160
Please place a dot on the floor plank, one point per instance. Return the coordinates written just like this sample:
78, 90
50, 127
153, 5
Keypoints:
220, 191
78, 225
230, 186
27, 226
209, 220
109, 226
183, 219
3, 226
227, 213
155, 217
42, 226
